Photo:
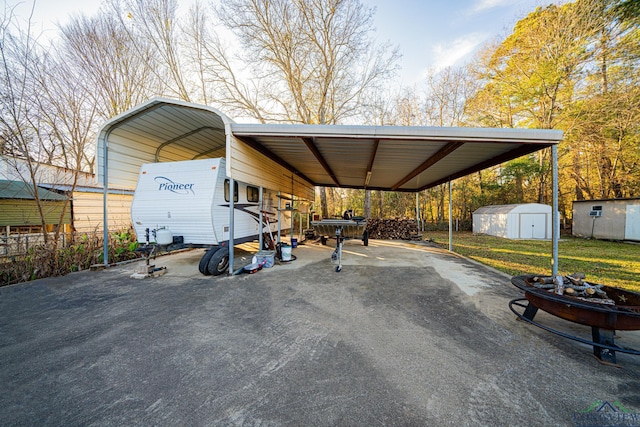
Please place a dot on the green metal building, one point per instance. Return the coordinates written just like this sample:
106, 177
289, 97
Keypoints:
18, 207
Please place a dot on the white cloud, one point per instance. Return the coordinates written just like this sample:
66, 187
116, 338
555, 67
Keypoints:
448, 54
481, 5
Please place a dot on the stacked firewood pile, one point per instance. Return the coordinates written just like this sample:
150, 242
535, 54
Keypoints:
573, 285
393, 229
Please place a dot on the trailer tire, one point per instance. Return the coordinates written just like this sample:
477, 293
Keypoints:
204, 261
365, 238
219, 262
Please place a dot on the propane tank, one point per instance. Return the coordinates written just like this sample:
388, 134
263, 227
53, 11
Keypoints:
164, 236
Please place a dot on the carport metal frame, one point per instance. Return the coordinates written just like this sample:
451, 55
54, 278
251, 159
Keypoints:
388, 158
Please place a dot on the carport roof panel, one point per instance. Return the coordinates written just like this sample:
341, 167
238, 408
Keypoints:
466, 159
394, 155
405, 158
159, 129
163, 121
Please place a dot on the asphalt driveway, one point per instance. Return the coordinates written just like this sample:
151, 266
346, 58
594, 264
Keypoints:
406, 334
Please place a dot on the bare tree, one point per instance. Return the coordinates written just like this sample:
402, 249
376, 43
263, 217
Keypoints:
408, 110
447, 92
198, 38
221, 78
70, 112
44, 117
25, 139
309, 61
312, 61
116, 72
153, 26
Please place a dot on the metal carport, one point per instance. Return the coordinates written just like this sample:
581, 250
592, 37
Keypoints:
294, 159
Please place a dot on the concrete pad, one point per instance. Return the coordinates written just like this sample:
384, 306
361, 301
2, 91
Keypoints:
406, 334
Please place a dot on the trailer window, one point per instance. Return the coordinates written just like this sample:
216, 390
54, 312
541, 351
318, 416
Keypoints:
253, 194
226, 191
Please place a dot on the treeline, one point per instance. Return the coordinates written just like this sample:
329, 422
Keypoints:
573, 67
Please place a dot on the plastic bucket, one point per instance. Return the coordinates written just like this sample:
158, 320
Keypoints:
286, 253
294, 242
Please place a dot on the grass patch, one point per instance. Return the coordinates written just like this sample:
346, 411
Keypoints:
611, 263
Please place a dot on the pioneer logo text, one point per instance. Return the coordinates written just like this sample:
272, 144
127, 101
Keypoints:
166, 184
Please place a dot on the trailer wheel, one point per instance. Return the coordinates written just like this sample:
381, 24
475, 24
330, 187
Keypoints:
219, 262
365, 238
204, 261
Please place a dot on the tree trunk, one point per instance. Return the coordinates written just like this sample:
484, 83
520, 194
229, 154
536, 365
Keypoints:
577, 173
367, 204
324, 210
441, 192
519, 190
543, 175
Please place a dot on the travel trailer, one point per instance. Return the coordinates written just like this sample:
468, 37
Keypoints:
187, 203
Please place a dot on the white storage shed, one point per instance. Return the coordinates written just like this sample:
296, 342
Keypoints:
517, 221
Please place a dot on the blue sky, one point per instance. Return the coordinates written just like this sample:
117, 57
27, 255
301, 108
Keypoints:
429, 33
437, 34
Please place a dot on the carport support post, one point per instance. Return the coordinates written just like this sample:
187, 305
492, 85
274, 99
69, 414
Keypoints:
105, 196
418, 211
232, 207
105, 231
260, 222
279, 216
555, 228
450, 218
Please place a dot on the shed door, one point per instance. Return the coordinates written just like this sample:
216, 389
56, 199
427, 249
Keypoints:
532, 226
632, 226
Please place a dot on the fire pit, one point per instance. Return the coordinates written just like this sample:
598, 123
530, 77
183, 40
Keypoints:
604, 308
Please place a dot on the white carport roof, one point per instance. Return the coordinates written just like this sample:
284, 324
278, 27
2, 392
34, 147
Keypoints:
375, 157
390, 157
295, 158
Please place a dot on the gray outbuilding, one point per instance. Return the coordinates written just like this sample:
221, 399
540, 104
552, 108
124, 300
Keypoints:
609, 219
516, 221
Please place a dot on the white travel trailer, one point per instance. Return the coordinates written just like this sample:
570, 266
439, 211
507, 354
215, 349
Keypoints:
187, 203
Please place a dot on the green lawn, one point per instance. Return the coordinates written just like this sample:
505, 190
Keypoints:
611, 263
